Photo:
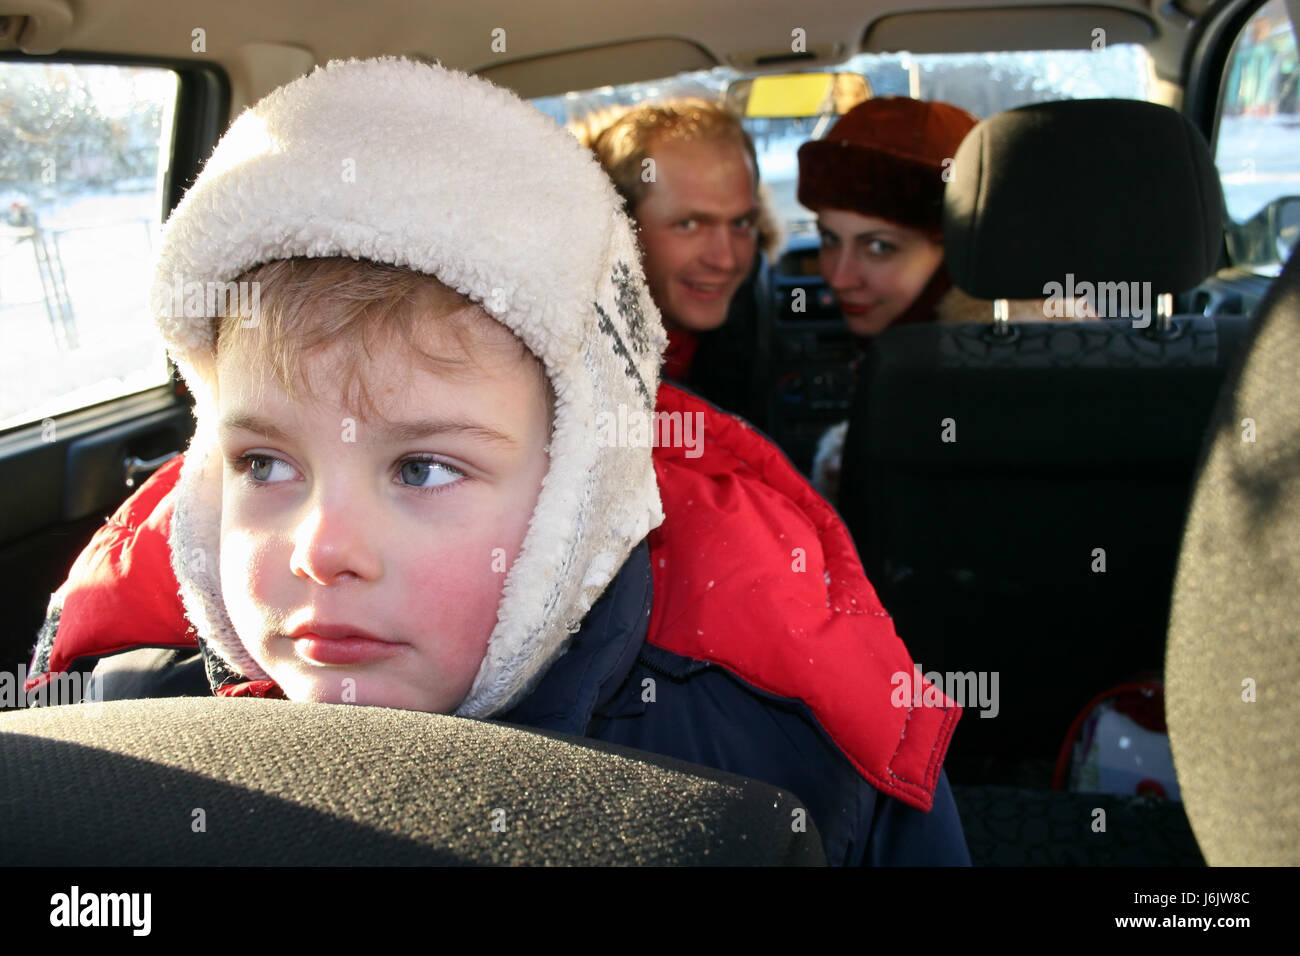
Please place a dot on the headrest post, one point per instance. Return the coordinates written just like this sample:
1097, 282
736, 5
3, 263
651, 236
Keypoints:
1164, 311
1001, 317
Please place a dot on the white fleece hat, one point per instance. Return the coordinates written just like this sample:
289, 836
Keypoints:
407, 164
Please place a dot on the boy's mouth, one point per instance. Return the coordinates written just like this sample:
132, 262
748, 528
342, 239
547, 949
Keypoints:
340, 644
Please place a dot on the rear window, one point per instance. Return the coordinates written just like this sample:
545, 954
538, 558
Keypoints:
982, 83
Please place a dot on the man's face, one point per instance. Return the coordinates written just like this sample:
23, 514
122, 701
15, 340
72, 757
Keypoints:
363, 561
698, 225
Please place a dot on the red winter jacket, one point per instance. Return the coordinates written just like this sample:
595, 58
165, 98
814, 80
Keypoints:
745, 537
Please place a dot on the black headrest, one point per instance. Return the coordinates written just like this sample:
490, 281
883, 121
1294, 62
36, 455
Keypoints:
214, 781
1104, 190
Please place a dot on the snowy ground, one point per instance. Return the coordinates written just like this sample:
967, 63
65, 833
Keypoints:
106, 246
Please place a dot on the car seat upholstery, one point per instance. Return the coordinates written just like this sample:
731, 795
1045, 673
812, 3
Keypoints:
1017, 494
1232, 668
122, 783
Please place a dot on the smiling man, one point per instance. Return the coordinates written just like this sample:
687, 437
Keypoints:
688, 174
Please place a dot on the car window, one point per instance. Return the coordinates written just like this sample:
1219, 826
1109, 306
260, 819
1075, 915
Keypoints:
983, 83
1257, 146
84, 153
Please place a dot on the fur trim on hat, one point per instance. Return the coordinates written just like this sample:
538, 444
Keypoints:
413, 165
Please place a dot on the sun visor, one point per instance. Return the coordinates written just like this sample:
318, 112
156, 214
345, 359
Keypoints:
1006, 28
608, 65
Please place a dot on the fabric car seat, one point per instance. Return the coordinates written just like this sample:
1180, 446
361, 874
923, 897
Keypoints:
221, 782
1017, 491
1231, 670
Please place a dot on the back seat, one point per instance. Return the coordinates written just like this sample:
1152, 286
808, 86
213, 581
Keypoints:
1017, 492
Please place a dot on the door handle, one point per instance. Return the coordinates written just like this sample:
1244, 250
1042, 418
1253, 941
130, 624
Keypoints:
138, 467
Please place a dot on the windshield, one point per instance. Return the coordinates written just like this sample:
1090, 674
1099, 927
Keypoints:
983, 83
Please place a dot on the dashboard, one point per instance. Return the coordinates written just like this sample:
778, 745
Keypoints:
810, 382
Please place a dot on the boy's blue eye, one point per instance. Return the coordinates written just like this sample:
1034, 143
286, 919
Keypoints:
423, 473
262, 468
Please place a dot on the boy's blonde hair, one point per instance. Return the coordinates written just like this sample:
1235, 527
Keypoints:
305, 305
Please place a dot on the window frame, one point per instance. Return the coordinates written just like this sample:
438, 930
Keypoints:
34, 471
203, 99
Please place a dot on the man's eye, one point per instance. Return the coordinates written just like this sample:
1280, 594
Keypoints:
688, 225
264, 469
424, 473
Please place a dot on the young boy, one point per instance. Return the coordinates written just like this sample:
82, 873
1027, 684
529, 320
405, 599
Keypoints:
422, 474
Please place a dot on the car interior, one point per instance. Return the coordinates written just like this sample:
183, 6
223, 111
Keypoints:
1033, 501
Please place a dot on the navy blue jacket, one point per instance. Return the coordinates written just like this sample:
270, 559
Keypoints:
613, 686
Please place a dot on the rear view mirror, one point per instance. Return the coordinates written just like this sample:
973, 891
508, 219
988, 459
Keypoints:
797, 94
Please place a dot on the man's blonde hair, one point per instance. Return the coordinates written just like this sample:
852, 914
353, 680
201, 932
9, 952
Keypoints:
623, 141
308, 304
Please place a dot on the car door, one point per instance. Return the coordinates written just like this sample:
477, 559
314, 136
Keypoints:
95, 153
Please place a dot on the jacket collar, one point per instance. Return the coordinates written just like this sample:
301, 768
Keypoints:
599, 658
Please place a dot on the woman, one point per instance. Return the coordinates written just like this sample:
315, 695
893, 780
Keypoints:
876, 183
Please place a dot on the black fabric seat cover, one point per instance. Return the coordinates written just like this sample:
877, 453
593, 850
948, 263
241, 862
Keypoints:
278, 783
1075, 441
1106, 190
1069, 439
1233, 663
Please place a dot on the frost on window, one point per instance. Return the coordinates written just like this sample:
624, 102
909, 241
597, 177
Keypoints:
83, 150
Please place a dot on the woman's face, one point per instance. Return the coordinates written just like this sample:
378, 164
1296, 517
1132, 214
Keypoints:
877, 268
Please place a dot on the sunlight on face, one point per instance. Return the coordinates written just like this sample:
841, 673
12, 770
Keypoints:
363, 561
876, 268
698, 228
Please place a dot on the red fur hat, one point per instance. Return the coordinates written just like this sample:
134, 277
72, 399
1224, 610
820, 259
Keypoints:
885, 158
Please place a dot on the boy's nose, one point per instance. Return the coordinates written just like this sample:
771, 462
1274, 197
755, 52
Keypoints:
335, 544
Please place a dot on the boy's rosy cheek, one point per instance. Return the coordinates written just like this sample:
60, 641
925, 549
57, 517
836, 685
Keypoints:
461, 590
